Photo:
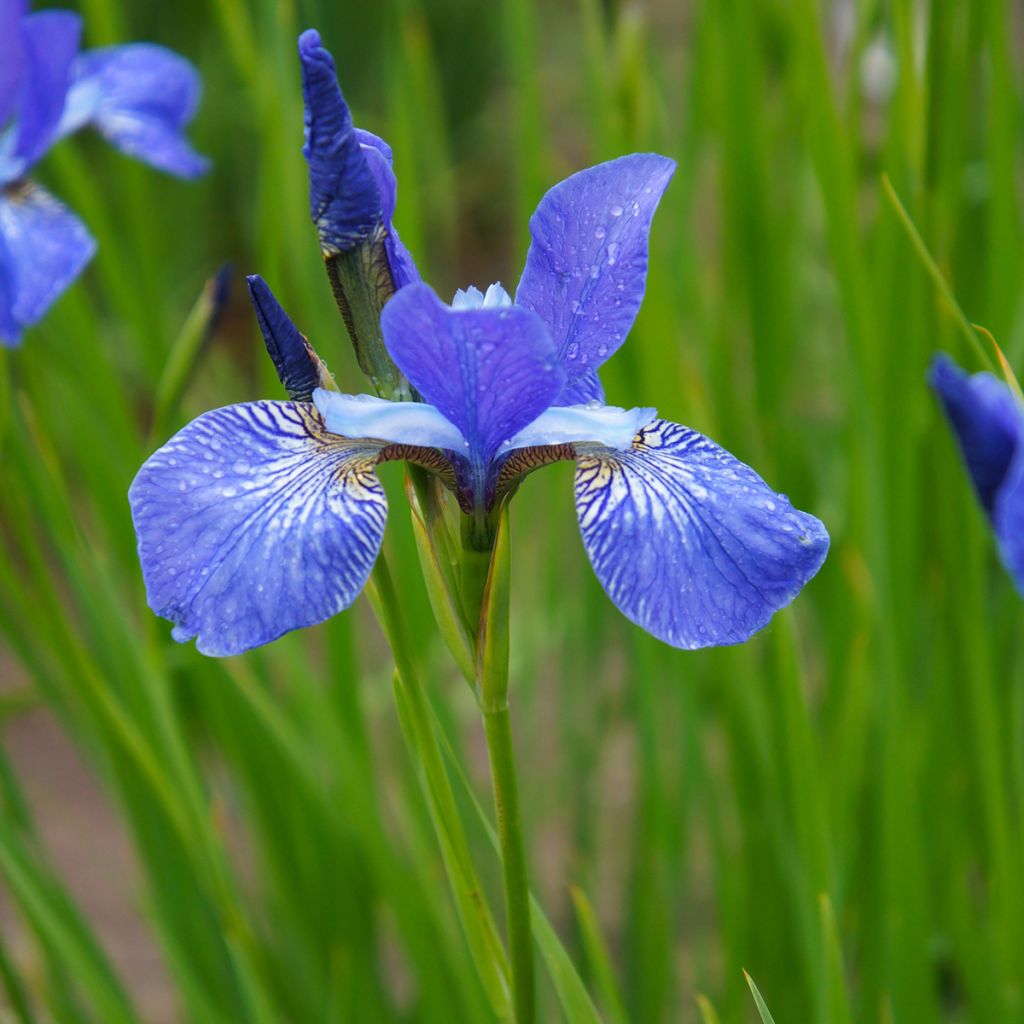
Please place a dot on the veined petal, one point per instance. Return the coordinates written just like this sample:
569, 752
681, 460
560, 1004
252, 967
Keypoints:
586, 268
343, 198
690, 543
46, 245
607, 425
140, 97
298, 367
988, 422
407, 423
51, 43
253, 521
490, 372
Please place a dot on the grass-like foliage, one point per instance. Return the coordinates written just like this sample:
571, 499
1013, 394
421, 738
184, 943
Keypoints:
835, 806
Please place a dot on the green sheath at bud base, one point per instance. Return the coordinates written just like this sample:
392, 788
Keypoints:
361, 281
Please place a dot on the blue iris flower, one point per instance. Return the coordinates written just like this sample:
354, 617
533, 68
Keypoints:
988, 421
260, 518
138, 96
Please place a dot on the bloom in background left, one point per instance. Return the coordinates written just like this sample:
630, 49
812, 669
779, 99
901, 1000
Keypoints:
139, 97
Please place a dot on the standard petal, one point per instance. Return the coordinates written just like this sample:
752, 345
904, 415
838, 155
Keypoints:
408, 423
140, 97
253, 521
51, 43
607, 425
586, 268
47, 247
581, 390
988, 422
12, 56
488, 371
689, 542
378, 159
343, 198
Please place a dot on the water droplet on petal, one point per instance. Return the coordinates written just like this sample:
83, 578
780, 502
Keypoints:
599, 233
616, 210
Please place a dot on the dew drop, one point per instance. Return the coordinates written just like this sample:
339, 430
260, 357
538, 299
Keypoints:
616, 210
599, 233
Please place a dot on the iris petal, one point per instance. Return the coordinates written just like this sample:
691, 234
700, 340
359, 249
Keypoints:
298, 367
689, 542
253, 521
51, 43
580, 390
378, 159
139, 97
490, 372
12, 56
408, 423
987, 420
343, 198
586, 268
606, 425
47, 247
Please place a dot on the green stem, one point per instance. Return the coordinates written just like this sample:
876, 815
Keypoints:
498, 729
492, 687
473, 909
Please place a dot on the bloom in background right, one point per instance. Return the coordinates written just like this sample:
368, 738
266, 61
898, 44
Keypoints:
988, 421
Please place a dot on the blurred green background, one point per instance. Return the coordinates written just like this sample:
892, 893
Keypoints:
835, 807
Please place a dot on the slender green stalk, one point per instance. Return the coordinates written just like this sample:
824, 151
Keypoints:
414, 706
498, 730
492, 687
935, 274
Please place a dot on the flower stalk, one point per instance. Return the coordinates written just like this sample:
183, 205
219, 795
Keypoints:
492, 690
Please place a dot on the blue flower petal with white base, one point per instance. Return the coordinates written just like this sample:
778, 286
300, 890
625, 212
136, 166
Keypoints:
607, 425
408, 423
690, 543
253, 521
489, 370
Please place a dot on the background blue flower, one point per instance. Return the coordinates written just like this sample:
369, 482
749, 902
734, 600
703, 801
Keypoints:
138, 96
988, 421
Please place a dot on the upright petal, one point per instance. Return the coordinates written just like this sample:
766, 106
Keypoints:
343, 198
586, 268
51, 43
46, 245
689, 542
253, 521
378, 159
140, 97
987, 420
489, 371
582, 389
299, 368
12, 56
